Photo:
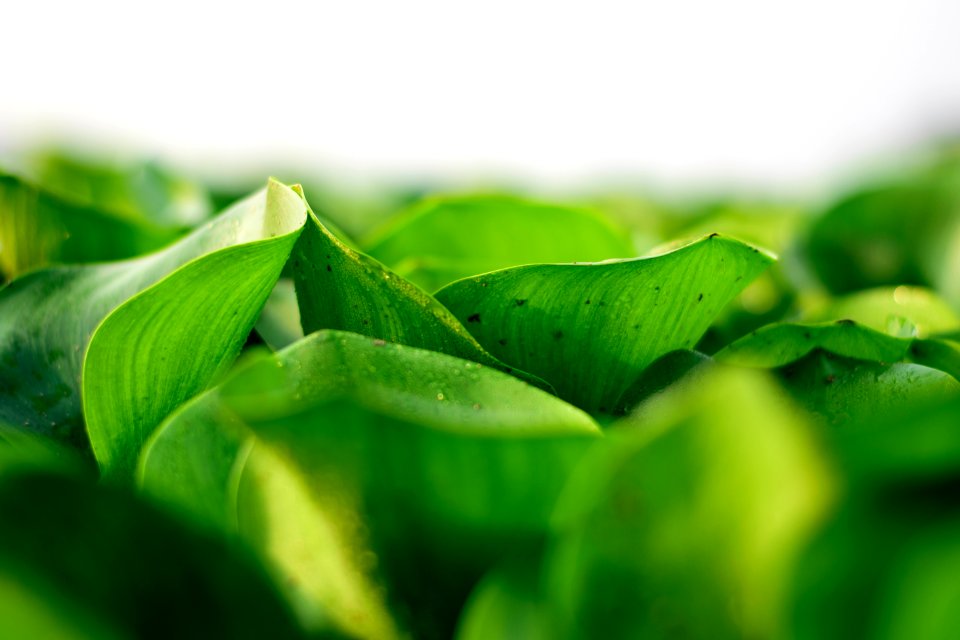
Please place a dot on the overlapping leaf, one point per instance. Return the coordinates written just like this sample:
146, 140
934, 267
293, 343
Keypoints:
447, 463
137, 338
591, 329
340, 288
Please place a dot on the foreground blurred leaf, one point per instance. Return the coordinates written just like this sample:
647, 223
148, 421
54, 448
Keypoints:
38, 229
591, 329
142, 335
440, 240
340, 288
687, 520
349, 461
78, 561
885, 567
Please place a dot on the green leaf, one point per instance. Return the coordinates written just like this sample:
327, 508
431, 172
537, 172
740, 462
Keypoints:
780, 344
340, 288
440, 240
38, 229
508, 605
660, 375
447, 463
100, 563
142, 335
591, 329
845, 371
687, 519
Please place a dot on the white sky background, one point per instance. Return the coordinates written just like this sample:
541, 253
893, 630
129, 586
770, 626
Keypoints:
746, 92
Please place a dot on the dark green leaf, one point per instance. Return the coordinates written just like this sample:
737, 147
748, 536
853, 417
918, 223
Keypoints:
98, 563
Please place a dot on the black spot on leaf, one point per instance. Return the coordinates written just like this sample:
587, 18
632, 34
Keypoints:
474, 318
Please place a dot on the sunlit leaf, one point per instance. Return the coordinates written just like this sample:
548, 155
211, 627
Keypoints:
137, 338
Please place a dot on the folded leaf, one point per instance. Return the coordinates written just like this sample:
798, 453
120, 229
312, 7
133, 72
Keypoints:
340, 288
440, 240
445, 462
137, 338
591, 329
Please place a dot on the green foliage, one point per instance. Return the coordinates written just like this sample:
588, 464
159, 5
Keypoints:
433, 452
251, 425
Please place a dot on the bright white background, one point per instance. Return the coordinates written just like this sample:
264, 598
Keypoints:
752, 92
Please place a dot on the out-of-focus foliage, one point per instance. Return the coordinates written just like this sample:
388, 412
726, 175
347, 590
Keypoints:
264, 424
445, 239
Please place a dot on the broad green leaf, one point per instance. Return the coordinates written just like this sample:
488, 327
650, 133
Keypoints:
687, 519
340, 288
443, 239
137, 338
447, 464
114, 566
591, 329
38, 229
